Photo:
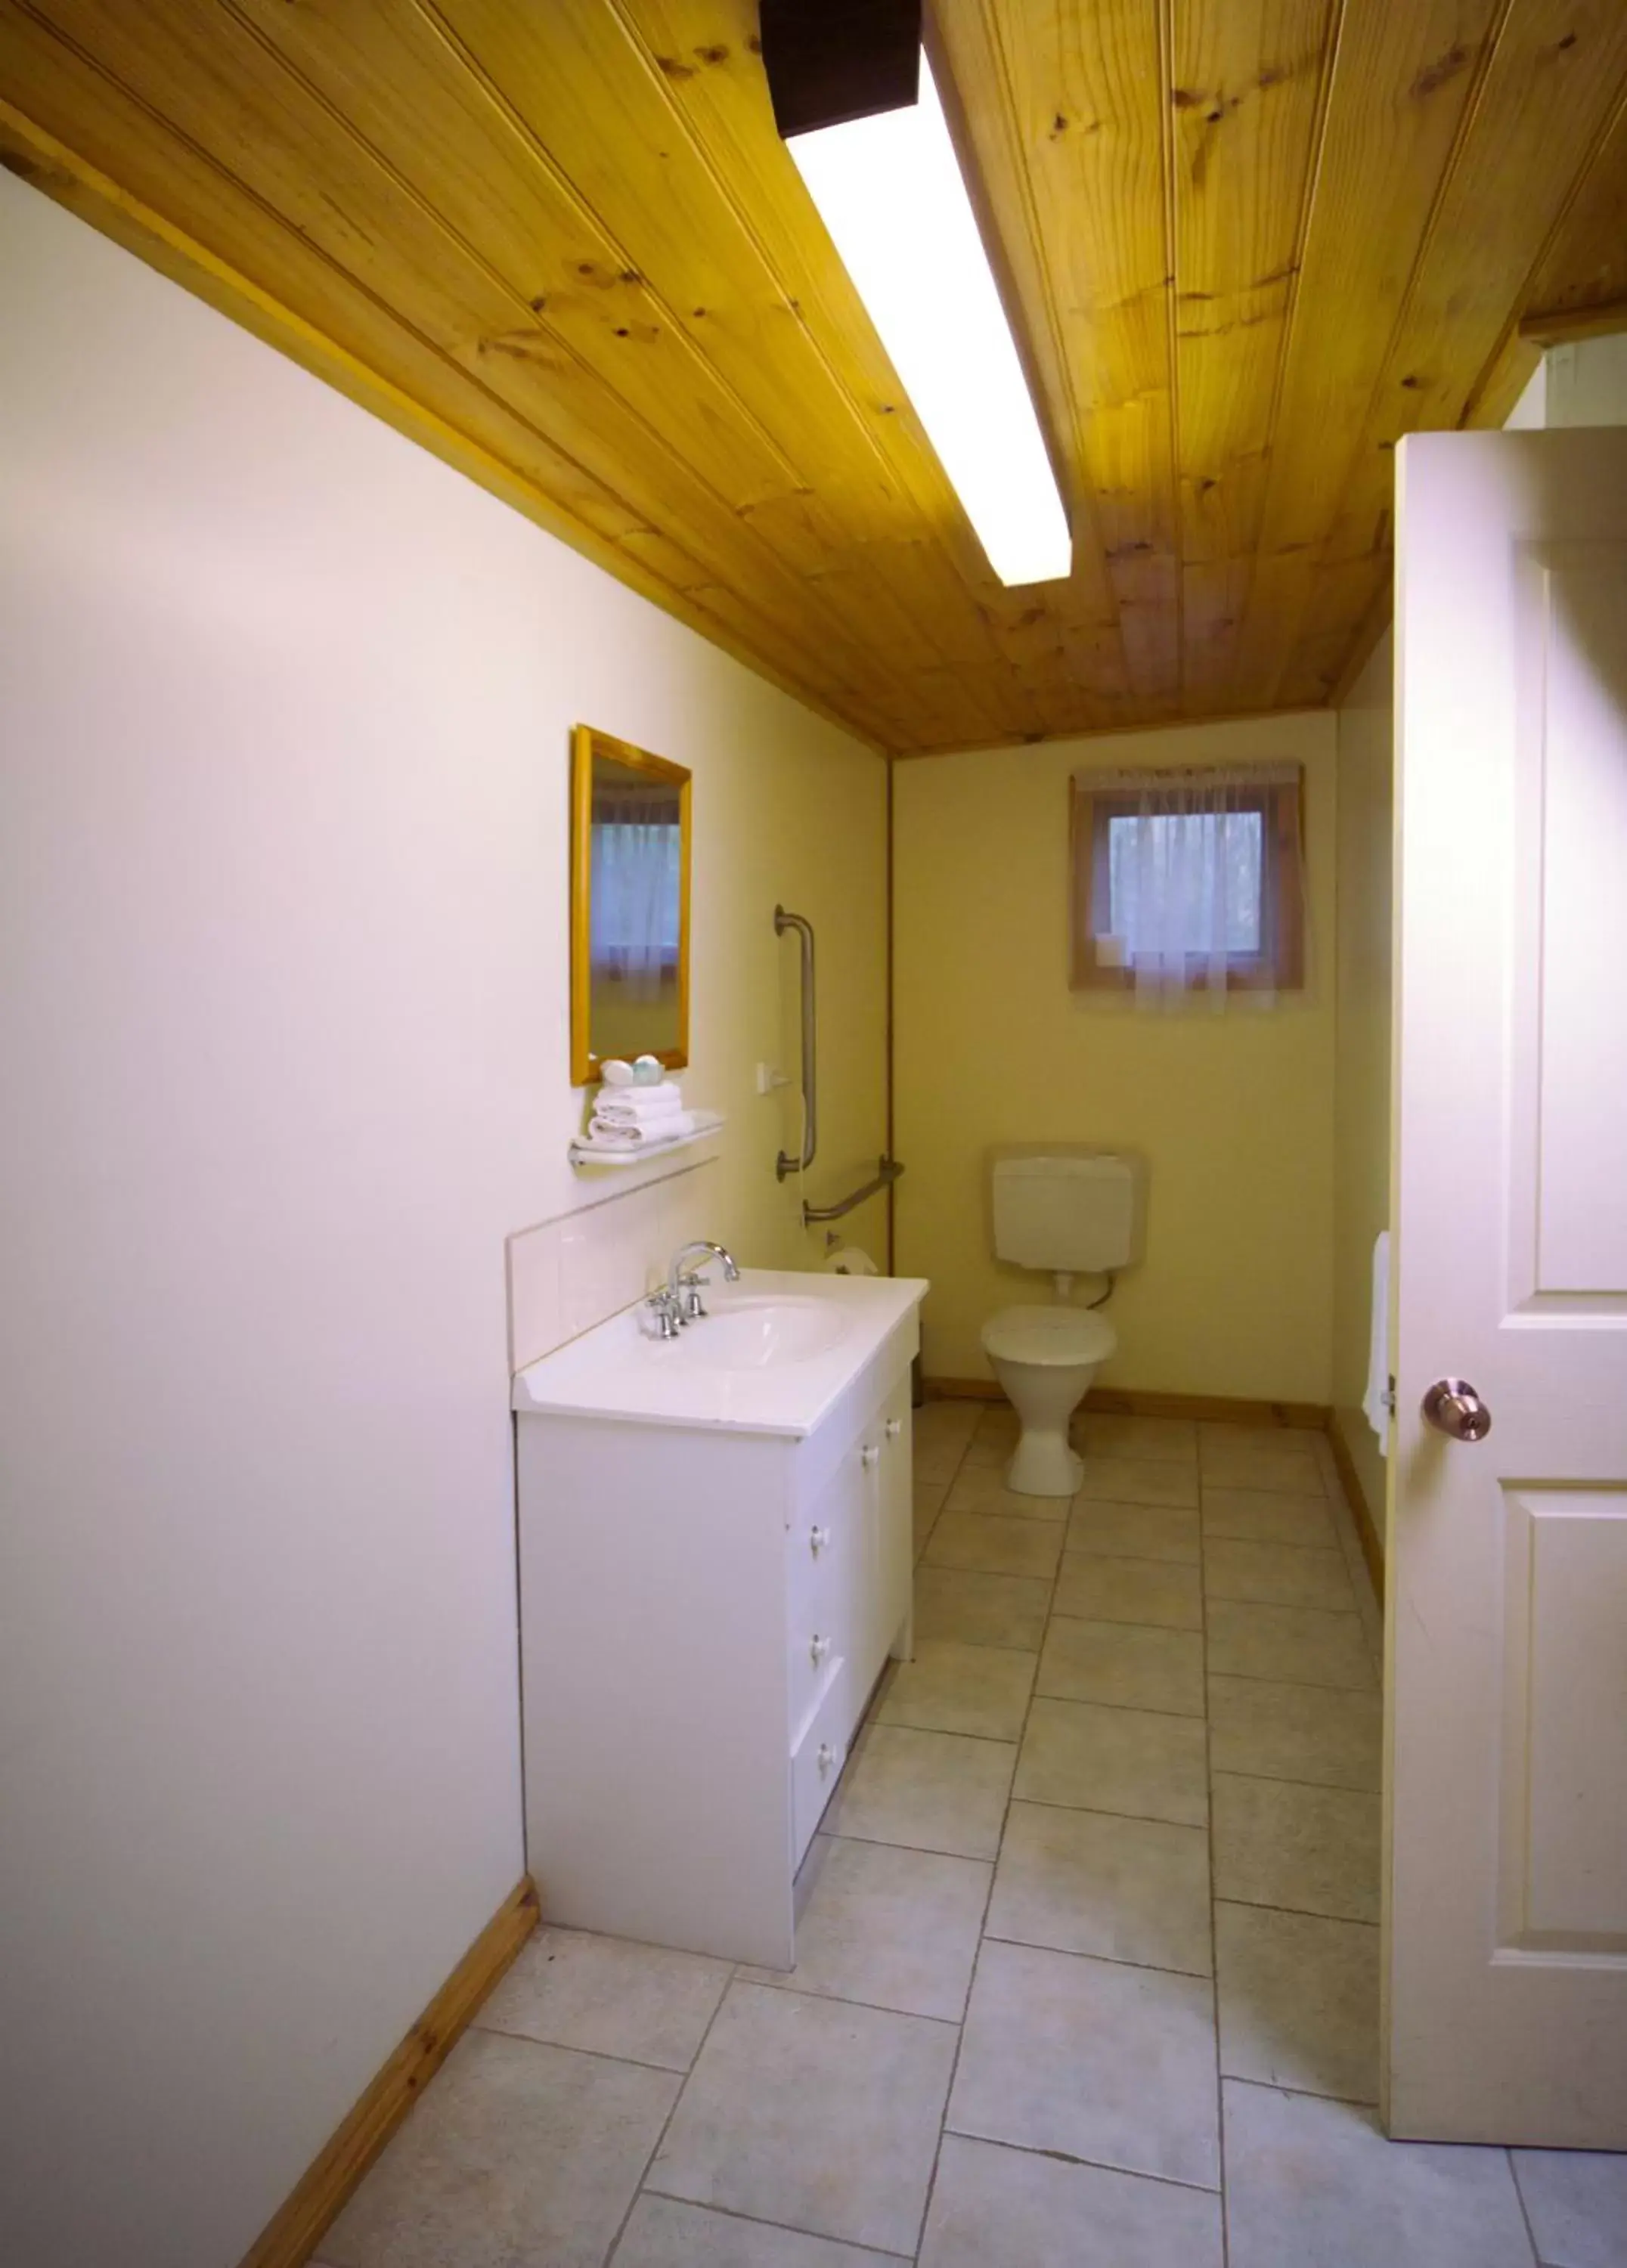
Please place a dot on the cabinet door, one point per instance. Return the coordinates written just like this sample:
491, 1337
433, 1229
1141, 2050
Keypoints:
817, 1758
896, 1524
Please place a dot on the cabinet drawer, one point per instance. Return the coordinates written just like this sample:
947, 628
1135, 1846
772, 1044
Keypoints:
829, 1576
817, 1760
816, 1644
817, 1542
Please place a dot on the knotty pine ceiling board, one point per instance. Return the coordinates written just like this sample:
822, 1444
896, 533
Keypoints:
1400, 84
1247, 106
1249, 244
1587, 265
1542, 110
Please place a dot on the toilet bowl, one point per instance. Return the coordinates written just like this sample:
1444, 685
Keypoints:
1045, 1359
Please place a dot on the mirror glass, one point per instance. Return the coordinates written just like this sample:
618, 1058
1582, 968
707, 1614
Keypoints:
630, 913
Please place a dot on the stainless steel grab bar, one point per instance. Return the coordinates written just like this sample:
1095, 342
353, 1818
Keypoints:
782, 1165
887, 1171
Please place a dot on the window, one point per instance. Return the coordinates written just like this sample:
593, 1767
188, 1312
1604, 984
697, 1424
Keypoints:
1186, 881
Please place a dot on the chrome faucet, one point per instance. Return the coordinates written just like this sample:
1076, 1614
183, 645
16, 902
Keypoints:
684, 1287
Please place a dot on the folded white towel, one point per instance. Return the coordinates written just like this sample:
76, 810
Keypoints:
634, 1104
623, 1134
650, 1118
1376, 1401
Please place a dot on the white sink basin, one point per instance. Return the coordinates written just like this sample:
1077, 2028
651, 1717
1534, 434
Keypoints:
772, 1356
753, 1334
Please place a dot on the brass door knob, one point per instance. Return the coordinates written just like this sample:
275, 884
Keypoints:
1453, 1406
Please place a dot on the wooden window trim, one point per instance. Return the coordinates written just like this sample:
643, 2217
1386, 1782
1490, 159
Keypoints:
1280, 967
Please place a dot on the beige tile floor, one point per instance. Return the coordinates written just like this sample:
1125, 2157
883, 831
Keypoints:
1088, 1961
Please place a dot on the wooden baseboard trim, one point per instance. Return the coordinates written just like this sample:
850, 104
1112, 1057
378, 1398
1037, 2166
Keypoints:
298, 2227
1131, 1402
1361, 1511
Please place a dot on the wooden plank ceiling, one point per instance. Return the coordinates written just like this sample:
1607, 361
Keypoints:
1252, 243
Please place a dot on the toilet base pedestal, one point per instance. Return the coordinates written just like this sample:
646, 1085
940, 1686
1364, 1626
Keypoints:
1044, 1465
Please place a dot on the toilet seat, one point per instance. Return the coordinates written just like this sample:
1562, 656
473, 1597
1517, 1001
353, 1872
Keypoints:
1052, 1337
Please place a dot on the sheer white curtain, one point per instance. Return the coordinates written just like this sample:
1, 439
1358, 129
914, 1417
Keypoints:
1189, 895
634, 856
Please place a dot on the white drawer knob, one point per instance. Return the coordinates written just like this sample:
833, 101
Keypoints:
828, 1759
818, 1650
895, 1427
870, 1456
818, 1539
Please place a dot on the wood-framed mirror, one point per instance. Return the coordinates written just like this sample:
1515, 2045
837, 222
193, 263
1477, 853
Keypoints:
630, 905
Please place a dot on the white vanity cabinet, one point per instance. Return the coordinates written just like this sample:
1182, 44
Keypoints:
847, 1596
705, 1607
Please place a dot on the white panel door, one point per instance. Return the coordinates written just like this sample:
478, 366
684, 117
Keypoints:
1506, 2015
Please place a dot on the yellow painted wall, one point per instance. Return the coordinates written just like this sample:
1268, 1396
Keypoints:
1362, 1070
1233, 1113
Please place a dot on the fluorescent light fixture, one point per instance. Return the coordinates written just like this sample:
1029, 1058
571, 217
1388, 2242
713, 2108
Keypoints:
889, 189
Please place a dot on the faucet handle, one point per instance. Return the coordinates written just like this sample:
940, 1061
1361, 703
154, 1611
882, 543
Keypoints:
691, 1285
664, 1306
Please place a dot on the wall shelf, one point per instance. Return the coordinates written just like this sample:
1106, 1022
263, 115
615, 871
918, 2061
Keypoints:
584, 1153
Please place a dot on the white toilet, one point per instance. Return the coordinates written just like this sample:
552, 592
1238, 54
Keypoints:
1069, 1215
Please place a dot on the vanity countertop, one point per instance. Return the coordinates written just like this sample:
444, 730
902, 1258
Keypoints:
771, 1356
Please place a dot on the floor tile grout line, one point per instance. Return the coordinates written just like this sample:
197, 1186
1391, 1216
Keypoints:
1112, 1960
1137, 1559
1124, 1622
971, 1981
1292, 1779
1229, 1599
986, 1938
1339, 1512
1214, 1936
760, 2221
672, 2112
678, 2071
1041, 1803
1333, 1550
1303, 1684
1305, 2094
780, 1981
1300, 1913
1071, 2158
1044, 1803
1207, 1598
1351, 1614
1134, 1708
1525, 2209
949, 1732
961, 1567
1225, 1771
1368, 1605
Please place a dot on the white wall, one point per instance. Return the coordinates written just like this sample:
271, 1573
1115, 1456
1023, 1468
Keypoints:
1586, 382
283, 813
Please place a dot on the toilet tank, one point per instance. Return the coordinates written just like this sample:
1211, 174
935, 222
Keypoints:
1069, 1213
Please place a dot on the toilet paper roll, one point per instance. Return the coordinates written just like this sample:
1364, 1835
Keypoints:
848, 1260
